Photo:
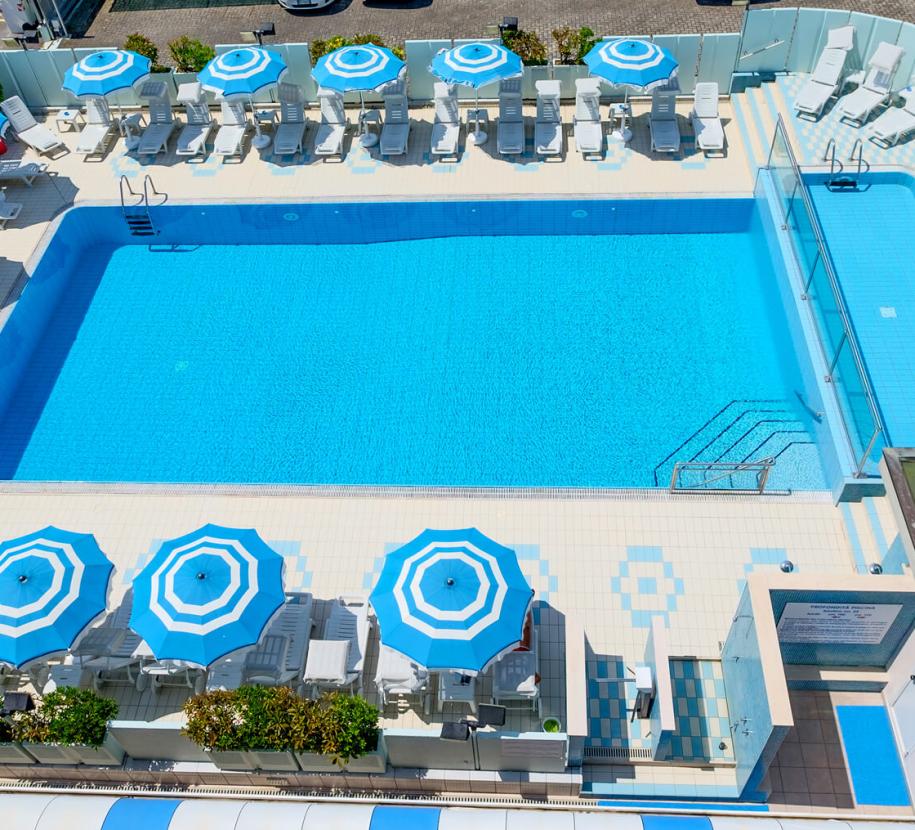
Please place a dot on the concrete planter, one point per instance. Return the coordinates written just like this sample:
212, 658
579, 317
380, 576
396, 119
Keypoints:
231, 760
14, 754
375, 761
273, 761
51, 753
109, 754
312, 762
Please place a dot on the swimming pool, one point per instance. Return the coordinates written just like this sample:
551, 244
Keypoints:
498, 343
873, 261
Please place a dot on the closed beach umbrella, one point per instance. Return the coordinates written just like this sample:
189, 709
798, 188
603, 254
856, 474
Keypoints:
631, 63
451, 600
475, 65
240, 74
363, 68
102, 73
207, 594
53, 586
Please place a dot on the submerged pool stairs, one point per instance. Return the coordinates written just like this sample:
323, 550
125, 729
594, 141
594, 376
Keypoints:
741, 432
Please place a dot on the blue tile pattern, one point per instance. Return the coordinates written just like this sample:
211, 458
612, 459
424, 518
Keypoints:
760, 558
646, 585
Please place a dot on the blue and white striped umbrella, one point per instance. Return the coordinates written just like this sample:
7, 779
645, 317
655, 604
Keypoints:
241, 73
451, 600
639, 64
103, 73
53, 585
357, 68
4, 123
206, 594
476, 64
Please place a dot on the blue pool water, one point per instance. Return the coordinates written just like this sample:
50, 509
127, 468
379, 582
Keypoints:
873, 261
581, 353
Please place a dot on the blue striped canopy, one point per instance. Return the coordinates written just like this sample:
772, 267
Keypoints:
53, 585
476, 64
635, 63
242, 72
206, 594
102, 73
364, 67
451, 600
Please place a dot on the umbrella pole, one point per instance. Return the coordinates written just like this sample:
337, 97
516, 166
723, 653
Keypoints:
366, 139
260, 141
623, 134
478, 136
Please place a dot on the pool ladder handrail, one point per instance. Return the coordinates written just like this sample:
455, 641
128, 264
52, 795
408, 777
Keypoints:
857, 147
139, 222
829, 154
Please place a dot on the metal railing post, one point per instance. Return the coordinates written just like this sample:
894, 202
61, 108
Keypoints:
859, 473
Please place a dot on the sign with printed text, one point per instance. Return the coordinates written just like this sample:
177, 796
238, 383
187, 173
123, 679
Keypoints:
836, 622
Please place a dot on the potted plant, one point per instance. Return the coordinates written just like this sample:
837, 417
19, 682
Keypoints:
70, 726
214, 723
10, 751
267, 726
340, 732
552, 725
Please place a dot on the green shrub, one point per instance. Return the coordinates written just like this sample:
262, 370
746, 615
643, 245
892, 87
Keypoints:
274, 719
67, 716
319, 48
189, 54
527, 45
572, 45
142, 45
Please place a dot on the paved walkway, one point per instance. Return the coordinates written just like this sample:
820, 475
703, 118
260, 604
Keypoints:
411, 19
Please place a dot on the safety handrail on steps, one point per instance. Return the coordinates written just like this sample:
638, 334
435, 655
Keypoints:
149, 187
829, 154
129, 191
715, 472
857, 147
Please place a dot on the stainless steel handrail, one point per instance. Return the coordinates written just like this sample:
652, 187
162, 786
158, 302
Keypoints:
719, 470
848, 331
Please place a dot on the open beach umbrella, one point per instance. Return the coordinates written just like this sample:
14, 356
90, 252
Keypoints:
361, 69
240, 75
53, 585
631, 63
207, 594
451, 600
102, 73
475, 65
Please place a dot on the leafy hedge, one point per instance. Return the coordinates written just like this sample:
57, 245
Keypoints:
275, 719
66, 716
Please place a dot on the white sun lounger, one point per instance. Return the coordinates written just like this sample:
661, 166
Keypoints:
99, 130
332, 129
162, 124
192, 140
548, 126
336, 661
822, 85
895, 123
230, 138
8, 210
705, 119
876, 86
589, 132
446, 127
290, 133
510, 132
27, 129
24, 173
398, 676
662, 122
395, 132
280, 657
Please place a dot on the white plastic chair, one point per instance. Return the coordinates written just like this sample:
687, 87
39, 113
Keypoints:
290, 132
548, 125
99, 130
337, 660
894, 124
516, 675
662, 122
230, 138
27, 129
510, 132
822, 85
875, 88
589, 132
398, 676
705, 119
395, 132
193, 138
446, 127
334, 121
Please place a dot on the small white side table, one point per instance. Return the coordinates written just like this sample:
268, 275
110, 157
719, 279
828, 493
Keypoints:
71, 119
621, 111
367, 117
263, 118
130, 127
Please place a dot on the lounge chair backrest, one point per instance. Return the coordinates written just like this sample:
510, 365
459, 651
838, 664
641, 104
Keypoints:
548, 101
332, 111
510, 107
663, 106
446, 110
292, 113
830, 67
198, 114
882, 67
160, 111
396, 110
98, 112
509, 85
290, 94
706, 100
17, 112
233, 114
587, 107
